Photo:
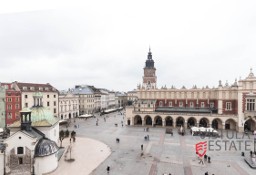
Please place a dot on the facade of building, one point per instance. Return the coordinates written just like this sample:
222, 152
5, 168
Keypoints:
132, 95
50, 95
97, 98
68, 105
2, 107
104, 99
108, 99
112, 99
121, 99
225, 107
13, 103
86, 99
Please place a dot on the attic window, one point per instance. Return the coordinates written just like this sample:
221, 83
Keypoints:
20, 150
24, 88
32, 88
46, 88
40, 88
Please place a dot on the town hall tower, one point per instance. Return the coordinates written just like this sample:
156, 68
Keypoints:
149, 78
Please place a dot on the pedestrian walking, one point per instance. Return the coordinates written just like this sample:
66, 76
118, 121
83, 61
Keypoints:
201, 160
141, 146
108, 169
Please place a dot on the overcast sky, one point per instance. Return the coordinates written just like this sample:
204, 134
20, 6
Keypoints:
105, 42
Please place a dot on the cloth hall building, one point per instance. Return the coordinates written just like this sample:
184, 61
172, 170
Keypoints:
224, 107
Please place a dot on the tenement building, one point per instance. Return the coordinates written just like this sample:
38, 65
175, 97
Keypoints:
224, 107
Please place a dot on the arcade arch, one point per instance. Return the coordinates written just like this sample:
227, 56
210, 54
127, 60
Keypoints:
250, 125
203, 122
191, 122
230, 124
148, 120
137, 120
180, 121
168, 121
217, 123
158, 121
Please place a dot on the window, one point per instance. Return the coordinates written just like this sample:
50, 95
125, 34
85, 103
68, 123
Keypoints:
180, 104
228, 106
17, 99
40, 88
170, 103
32, 88
17, 106
48, 96
9, 99
160, 104
54, 110
26, 96
48, 103
20, 150
24, 88
46, 88
26, 105
54, 96
211, 105
148, 105
191, 104
250, 104
9, 107
9, 115
202, 104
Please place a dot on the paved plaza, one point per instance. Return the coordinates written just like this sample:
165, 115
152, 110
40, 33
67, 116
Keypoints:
96, 148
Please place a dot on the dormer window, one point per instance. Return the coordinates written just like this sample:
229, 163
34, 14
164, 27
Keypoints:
32, 88
24, 88
46, 88
40, 88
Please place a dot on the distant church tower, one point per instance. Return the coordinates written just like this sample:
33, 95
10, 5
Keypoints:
149, 78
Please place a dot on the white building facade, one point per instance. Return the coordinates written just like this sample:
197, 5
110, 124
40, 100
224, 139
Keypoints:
225, 107
50, 95
68, 105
